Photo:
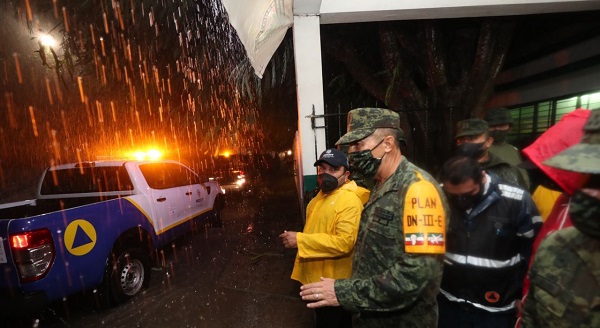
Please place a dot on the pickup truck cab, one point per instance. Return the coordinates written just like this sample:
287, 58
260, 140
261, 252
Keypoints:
96, 225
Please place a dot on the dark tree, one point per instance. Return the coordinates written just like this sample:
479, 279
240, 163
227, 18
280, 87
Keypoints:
433, 72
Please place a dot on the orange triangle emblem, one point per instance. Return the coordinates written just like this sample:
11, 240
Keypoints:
492, 297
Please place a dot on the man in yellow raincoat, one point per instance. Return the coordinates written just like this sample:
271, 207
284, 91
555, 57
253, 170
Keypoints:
326, 246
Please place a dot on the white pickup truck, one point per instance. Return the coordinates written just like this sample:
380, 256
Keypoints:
95, 225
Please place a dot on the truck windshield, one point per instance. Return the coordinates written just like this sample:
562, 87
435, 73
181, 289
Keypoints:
86, 180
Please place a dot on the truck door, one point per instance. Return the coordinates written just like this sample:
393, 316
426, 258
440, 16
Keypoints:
196, 196
167, 196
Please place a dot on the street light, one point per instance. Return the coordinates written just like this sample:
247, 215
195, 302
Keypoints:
47, 40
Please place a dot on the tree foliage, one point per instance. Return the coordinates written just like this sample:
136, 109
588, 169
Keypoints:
433, 72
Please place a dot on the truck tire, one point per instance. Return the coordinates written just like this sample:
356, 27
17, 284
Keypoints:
128, 274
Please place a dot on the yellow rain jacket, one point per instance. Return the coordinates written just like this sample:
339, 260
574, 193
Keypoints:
545, 198
326, 246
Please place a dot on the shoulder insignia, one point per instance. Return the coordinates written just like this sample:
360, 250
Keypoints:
424, 219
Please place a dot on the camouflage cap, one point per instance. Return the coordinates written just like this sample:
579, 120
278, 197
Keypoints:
583, 157
471, 127
362, 122
498, 116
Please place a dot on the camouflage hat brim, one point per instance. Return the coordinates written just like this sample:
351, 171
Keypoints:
471, 127
584, 158
354, 135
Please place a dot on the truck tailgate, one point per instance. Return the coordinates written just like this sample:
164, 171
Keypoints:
11, 296
8, 272
82, 239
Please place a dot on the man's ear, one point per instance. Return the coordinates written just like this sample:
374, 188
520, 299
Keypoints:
388, 142
489, 142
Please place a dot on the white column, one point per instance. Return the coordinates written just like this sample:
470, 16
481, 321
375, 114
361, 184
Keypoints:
309, 79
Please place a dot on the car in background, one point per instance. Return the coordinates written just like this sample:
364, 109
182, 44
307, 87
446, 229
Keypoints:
234, 182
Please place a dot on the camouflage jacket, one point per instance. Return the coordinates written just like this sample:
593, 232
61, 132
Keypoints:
507, 172
390, 287
565, 278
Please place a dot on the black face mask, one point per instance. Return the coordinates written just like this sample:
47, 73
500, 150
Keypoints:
499, 136
472, 150
465, 202
328, 182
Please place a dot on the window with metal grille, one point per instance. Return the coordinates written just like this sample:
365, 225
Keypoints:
531, 120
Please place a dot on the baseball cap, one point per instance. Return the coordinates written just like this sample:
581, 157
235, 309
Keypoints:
498, 116
362, 122
333, 157
584, 156
471, 127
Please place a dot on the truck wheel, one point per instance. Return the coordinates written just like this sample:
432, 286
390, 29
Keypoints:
128, 274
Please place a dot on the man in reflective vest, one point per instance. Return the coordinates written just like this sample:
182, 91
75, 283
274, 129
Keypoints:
492, 228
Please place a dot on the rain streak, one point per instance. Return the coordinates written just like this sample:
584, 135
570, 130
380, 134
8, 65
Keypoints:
97, 79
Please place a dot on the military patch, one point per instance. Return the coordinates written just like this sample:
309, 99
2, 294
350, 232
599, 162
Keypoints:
424, 219
414, 239
436, 239
383, 216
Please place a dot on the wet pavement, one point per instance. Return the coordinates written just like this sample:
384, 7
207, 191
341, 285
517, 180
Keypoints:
233, 276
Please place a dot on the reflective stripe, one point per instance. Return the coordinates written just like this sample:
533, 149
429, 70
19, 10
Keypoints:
453, 298
530, 233
511, 192
526, 234
483, 262
537, 219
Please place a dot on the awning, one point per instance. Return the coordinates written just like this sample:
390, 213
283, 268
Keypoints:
261, 26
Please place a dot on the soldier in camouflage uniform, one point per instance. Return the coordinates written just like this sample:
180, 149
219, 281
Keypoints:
473, 140
565, 274
398, 260
500, 123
